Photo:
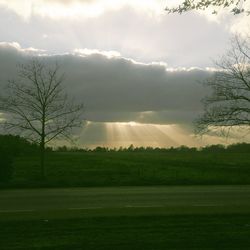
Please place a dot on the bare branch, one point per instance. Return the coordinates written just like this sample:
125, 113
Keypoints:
228, 105
235, 6
36, 102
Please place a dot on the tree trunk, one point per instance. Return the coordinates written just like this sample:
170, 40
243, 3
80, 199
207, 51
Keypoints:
42, 156
42, 145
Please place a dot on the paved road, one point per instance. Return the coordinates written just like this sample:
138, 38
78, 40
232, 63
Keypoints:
125, 197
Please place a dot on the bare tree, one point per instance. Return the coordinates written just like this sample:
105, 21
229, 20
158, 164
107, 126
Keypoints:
228, 106
36, 106
236, 6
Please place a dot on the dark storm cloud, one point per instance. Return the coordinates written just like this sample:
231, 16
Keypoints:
119, 89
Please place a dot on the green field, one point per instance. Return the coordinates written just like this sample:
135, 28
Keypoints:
194, 217
128, 200
133, 168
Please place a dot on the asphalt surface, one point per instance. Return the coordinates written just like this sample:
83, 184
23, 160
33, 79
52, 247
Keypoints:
234, 198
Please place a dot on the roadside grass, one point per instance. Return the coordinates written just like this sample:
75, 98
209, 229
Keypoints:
131, 169
229, 231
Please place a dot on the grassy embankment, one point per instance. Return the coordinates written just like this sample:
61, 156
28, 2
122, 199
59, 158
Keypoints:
132, 169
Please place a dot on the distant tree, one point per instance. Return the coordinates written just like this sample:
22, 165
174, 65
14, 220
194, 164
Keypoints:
36, 106
62, 149
182, 148
228, 106
131, 148
100, 149
236, 6
214, 148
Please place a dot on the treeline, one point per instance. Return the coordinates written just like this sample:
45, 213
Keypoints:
16, 145
239, 147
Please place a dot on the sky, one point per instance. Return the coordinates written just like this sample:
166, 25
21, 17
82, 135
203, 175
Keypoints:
137, 68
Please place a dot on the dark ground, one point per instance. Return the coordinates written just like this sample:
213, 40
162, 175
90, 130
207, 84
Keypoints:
200, 217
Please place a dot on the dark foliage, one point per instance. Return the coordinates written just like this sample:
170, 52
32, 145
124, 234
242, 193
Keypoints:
6, 166
241, 148
10, 147
16, 145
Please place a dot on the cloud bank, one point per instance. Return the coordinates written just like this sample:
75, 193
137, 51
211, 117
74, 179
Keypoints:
127, 102
119, 89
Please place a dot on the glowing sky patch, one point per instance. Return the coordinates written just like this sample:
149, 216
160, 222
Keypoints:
123, 134
78, 8
88, 52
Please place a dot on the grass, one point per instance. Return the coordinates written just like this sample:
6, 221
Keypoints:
136, 169
129, 232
